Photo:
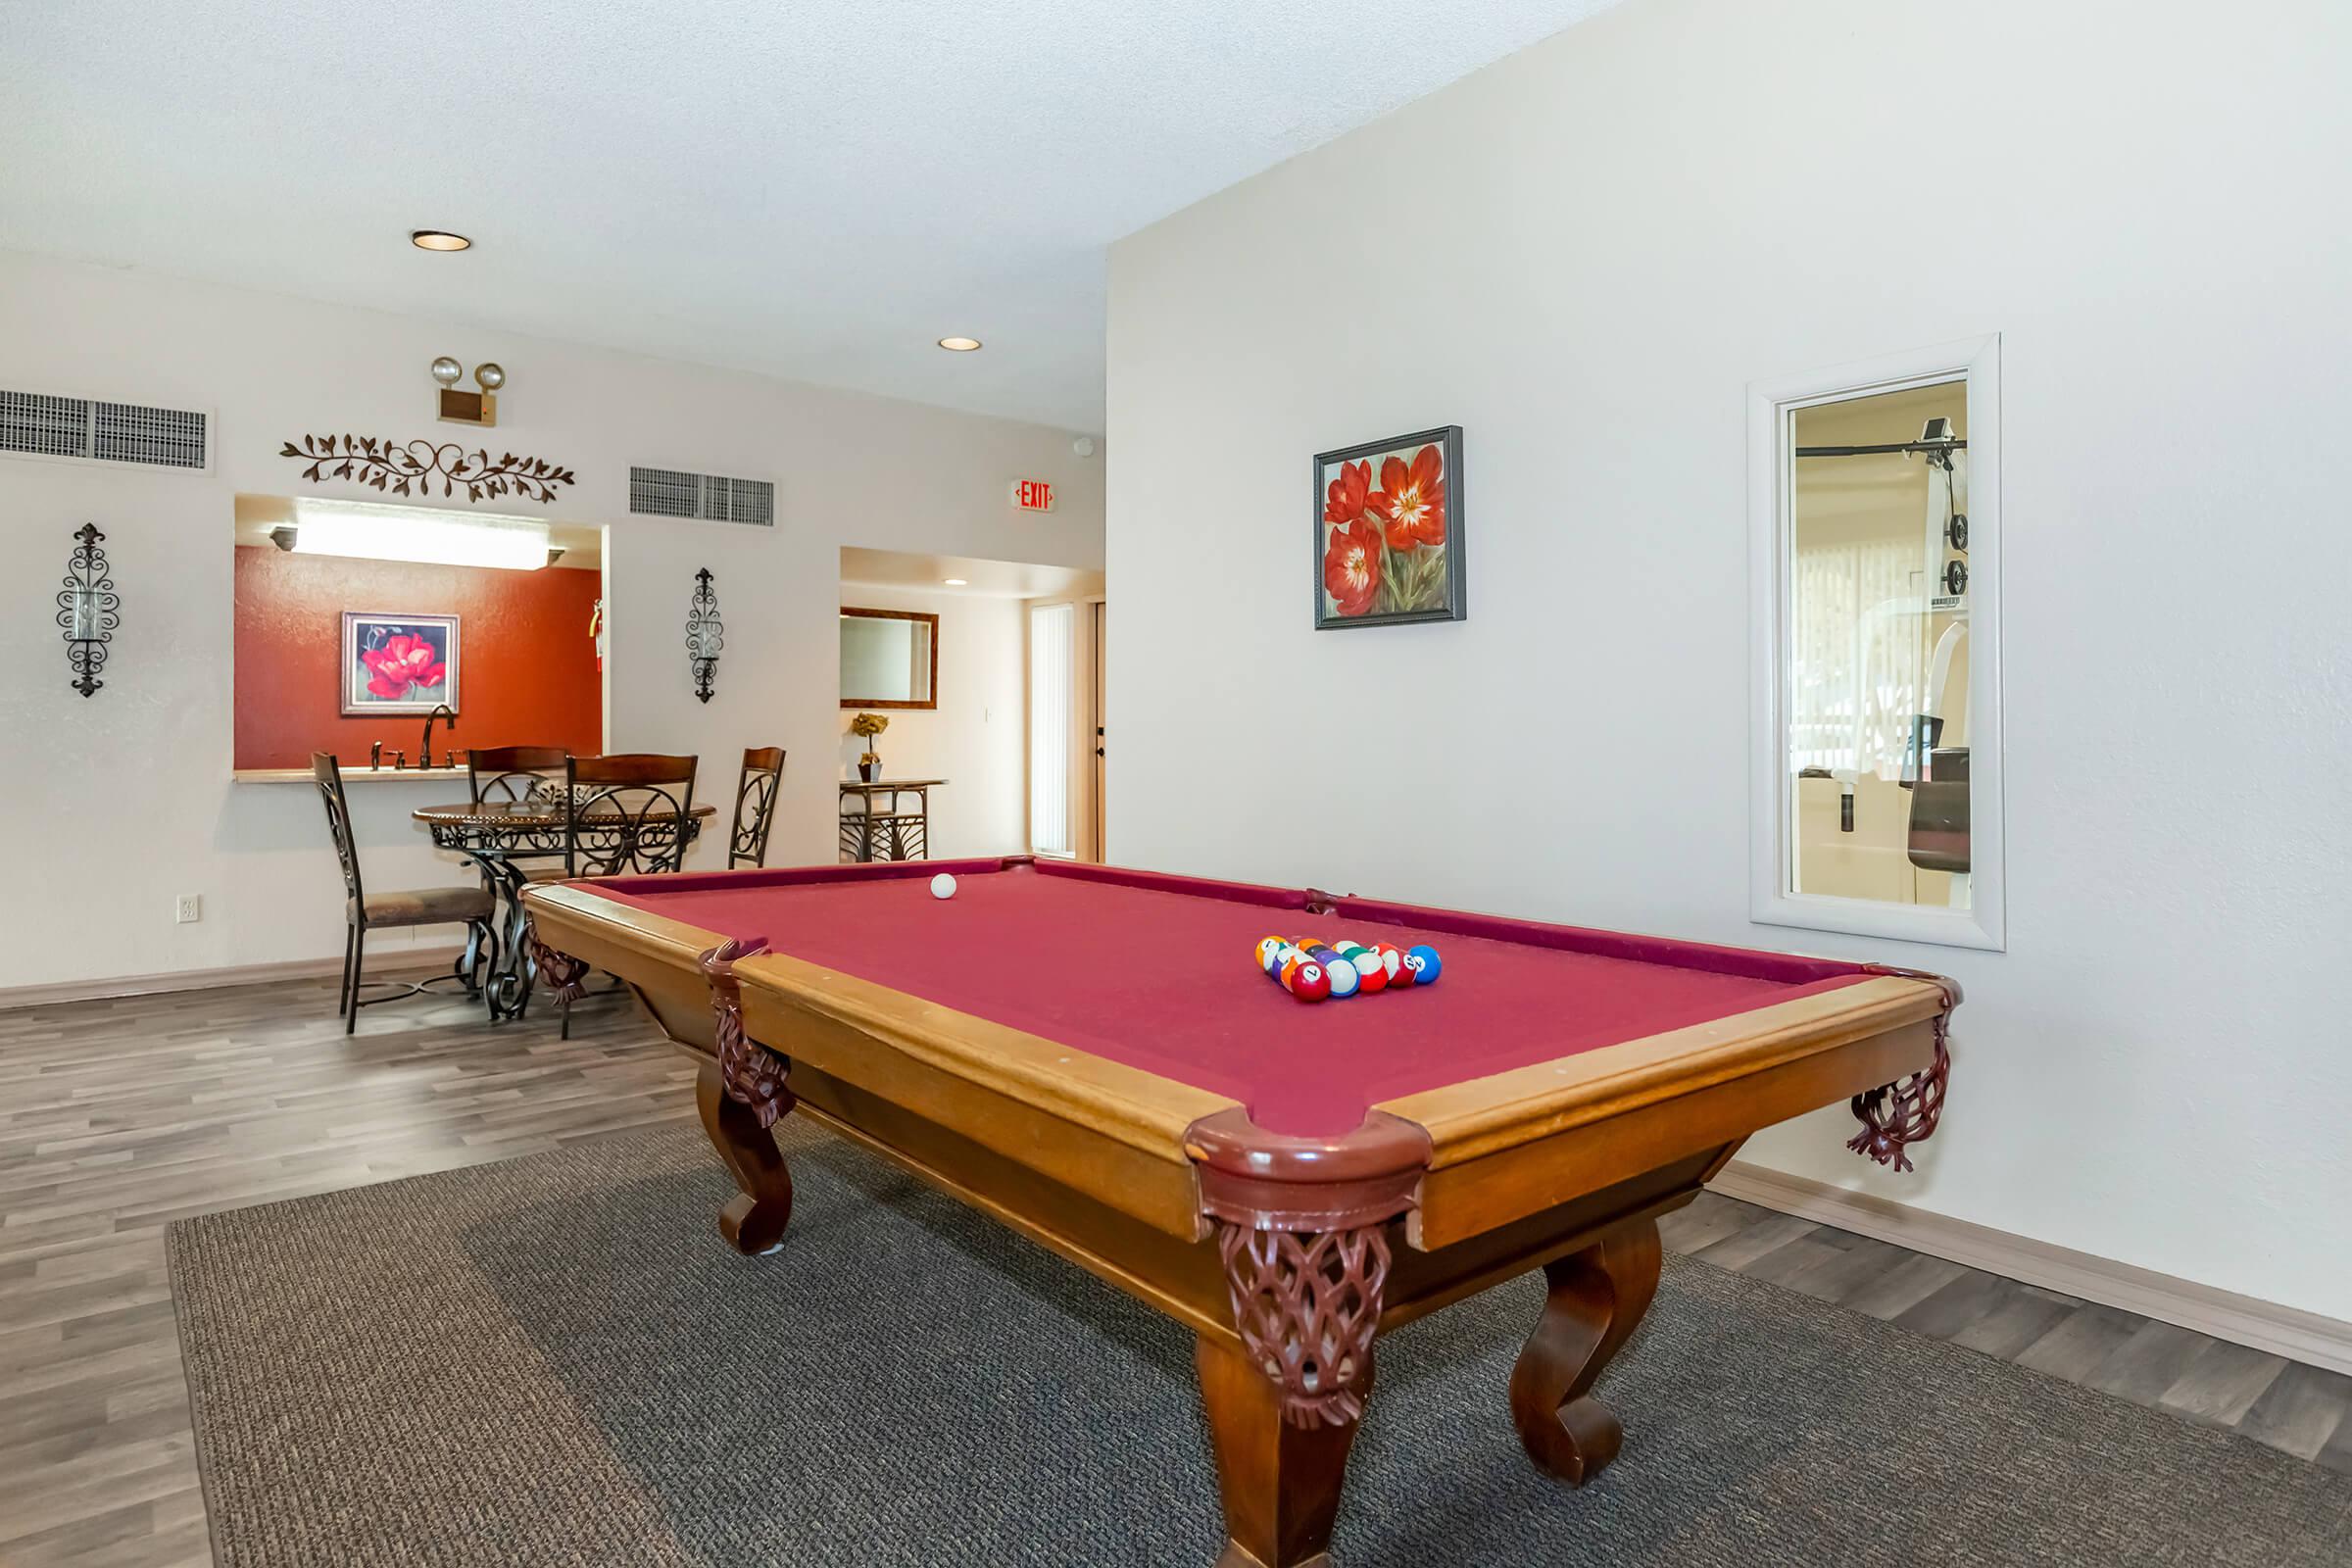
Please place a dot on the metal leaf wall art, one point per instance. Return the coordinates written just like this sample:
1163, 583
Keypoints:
412, 468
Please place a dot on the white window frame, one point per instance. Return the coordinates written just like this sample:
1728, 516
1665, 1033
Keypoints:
1772, 406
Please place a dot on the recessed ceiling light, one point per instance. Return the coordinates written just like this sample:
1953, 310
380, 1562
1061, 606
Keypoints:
956, 582
438, 239
959, 345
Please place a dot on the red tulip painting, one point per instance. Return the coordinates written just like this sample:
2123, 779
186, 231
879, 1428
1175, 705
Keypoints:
1389, 531
399, 664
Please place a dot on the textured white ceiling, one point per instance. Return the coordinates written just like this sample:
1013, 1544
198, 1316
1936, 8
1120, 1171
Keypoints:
813, 188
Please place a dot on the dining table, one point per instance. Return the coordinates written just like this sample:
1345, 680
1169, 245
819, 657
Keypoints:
510, 840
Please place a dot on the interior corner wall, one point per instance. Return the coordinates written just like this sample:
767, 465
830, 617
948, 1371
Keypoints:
1583, 255
131, 788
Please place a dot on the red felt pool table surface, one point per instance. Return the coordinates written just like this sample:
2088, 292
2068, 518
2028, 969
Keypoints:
1157, 972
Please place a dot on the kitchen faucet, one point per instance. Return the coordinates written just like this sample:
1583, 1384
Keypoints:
425, 754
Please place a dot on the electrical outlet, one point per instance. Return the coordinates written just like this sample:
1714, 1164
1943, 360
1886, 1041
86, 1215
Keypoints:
189, 907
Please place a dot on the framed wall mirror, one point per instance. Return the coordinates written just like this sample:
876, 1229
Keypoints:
889, 658
1874, 550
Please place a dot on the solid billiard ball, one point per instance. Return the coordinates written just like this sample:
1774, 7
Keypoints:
943, 886
1309, 983
1345, 981
1370, 972
1426, 968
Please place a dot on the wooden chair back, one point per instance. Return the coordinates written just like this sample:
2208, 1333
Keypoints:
513, 772
754, 804
630, 812
329, 776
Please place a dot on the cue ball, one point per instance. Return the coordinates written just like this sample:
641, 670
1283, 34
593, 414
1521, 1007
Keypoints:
943, 886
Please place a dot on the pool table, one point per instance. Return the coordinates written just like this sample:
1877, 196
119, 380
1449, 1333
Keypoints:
1092, 1056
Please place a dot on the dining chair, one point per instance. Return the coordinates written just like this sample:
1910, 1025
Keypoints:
630, 813
519, 773
755, 805
513, 773
638, 811
364, 911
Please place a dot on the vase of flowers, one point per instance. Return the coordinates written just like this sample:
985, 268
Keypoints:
867, 726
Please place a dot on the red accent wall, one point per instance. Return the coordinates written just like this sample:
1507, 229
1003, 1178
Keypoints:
526, 676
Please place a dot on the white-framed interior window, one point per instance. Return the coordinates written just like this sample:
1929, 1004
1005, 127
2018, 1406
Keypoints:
1874, 520
1052, 649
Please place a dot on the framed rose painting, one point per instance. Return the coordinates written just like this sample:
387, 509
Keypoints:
399, 664
1389, 531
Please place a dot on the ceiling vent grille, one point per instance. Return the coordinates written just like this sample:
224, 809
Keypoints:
670, 493
40, 426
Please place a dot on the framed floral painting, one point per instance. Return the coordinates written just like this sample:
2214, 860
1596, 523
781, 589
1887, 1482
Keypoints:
1389, 531
399, 664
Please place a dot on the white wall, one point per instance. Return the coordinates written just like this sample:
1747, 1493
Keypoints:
974, 738
1582, 256
124, 800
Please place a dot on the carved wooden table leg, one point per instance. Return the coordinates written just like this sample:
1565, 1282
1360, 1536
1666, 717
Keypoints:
754, 1221
741, 1093
1283, 1407
562, 971
1597, 1297
1280, 1481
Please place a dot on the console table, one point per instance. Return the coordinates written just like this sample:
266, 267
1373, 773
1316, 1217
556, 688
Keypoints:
874, 830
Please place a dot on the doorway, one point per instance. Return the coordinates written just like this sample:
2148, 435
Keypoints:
944, 703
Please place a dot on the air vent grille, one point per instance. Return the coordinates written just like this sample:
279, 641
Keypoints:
45, 427
40, 425
671, 493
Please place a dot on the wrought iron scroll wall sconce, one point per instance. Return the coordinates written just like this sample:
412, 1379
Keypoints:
88, 608
706, 635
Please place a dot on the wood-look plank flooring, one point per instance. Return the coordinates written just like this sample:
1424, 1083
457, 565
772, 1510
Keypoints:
118, 1116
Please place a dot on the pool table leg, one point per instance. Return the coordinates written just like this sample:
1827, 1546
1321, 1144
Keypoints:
1280, 1481
1597, 1297
753, 1222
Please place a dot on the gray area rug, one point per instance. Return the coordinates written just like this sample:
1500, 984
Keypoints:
556, 1360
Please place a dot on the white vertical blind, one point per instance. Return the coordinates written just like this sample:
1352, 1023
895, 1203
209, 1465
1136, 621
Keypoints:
1050, 653
1856, 677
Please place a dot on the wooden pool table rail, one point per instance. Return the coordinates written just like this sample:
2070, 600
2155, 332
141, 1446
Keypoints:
1493, 1147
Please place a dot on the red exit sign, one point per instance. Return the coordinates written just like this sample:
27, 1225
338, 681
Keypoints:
1033, 495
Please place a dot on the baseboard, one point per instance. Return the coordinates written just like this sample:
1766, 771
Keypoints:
2299, 1336
399, 961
